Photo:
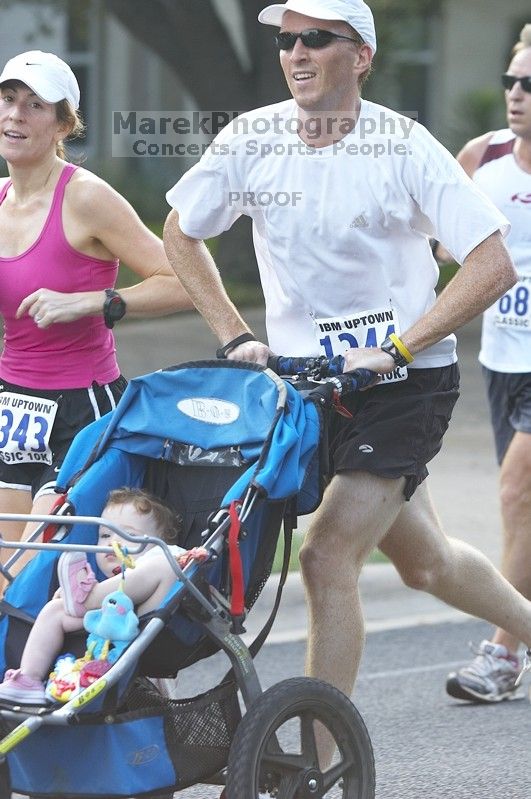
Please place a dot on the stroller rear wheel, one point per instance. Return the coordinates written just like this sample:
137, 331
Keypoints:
274, 753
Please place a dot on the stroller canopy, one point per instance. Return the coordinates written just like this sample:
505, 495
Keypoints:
211, 406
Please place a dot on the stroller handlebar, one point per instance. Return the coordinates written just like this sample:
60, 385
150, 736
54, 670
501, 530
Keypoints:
323, 368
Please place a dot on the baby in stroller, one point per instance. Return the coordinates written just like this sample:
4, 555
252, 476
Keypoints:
135, 511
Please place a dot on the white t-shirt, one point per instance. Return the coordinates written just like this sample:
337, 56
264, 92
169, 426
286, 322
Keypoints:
155, 550
341, 233
506, 333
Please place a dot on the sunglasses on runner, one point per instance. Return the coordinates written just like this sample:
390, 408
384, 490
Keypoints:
508, 82
315, 38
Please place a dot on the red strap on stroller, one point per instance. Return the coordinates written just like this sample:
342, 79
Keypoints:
237, 606
50, 529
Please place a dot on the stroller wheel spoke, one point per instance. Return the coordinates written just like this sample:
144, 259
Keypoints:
332, 776
288, 788
283, 763
308, 742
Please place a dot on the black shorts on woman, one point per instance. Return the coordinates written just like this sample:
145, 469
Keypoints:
396, 428
76, 407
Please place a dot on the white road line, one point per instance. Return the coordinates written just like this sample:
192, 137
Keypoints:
414, 620
382, 675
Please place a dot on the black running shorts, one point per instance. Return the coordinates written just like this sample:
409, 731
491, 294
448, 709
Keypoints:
397, 428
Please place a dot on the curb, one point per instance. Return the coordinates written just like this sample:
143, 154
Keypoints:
388, 604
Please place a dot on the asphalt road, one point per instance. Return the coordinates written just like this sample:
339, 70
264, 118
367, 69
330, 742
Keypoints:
426, 745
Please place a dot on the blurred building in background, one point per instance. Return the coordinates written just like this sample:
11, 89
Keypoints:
443, 65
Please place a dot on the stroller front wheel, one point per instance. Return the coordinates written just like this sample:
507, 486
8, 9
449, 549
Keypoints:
274, 751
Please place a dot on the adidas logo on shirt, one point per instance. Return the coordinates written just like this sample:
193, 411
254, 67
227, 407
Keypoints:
359, 222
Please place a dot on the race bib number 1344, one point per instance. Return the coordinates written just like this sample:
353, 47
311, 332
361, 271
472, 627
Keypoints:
364, 329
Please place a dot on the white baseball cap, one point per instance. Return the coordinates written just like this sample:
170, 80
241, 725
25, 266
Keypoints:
47, 75
355, 12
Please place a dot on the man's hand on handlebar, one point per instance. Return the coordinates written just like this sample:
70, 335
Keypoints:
321, 368
372, 358
253, 351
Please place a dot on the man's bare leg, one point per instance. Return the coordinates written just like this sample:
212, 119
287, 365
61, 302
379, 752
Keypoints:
451, 570
515, 497
357, 510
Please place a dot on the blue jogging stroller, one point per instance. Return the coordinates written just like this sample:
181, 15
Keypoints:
236, 450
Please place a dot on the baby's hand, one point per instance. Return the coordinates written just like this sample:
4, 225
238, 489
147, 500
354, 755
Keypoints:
196, 553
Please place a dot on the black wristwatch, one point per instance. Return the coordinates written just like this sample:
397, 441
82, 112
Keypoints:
114, 308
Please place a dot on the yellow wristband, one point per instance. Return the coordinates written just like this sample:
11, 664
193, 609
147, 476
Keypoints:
401, 347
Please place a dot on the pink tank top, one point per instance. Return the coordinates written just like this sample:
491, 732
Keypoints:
65, 355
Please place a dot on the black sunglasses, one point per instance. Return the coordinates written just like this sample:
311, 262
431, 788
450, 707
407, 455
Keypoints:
313, 38
508, 82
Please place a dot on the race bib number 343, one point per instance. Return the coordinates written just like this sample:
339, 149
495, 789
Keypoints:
25, 426
364, 329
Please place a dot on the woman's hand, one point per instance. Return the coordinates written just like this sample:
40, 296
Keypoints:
48, 307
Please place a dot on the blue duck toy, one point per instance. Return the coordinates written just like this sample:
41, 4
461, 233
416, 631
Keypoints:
112, 627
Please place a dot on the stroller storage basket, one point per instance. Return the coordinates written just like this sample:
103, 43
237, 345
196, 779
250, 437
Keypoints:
181, 741
198, 730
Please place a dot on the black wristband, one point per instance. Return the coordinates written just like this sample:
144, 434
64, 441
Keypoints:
222, 352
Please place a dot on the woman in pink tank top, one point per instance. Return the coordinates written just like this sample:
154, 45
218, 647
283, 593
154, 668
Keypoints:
63, 232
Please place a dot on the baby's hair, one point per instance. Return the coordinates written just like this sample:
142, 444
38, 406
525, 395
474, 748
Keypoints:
525, 39
169, 525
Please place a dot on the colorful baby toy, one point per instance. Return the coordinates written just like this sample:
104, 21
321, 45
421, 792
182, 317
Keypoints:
111, 629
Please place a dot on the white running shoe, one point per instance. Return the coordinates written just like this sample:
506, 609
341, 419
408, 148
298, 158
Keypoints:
490, 677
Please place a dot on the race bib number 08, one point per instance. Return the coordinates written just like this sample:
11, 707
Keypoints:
25, 426
365, 329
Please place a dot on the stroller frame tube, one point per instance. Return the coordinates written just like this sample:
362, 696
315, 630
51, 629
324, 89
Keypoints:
142, 541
